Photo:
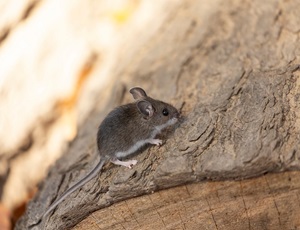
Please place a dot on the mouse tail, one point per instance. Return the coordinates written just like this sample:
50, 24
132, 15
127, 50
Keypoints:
78, 185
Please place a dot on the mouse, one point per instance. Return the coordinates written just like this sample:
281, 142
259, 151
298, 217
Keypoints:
124, 131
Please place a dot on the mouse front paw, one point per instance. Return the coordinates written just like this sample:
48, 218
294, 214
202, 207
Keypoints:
157, 142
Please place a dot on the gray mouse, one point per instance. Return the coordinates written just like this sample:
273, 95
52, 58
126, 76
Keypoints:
124, 131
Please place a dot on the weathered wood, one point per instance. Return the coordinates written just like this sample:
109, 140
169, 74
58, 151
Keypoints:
234, 72
268, 202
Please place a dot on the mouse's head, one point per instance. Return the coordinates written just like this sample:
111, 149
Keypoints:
158, 113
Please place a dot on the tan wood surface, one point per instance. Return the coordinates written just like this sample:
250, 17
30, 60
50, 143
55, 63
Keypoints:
271, 201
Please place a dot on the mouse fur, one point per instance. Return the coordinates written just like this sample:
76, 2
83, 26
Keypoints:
123, 131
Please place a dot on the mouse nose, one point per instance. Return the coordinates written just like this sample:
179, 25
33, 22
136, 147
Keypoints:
177, 115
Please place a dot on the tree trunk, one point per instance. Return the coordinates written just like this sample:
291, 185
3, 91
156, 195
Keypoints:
233, 71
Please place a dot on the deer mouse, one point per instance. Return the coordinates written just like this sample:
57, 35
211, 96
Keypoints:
124, 131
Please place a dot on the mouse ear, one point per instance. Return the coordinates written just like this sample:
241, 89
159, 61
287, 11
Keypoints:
137, 93
145, 107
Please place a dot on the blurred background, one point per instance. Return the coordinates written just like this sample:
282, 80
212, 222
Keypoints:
59, 60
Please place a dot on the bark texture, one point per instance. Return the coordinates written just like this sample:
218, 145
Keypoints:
234, 73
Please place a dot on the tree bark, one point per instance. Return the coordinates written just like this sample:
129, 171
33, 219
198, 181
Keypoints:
234, 75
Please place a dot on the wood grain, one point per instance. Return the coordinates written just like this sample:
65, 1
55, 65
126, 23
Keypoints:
232, 68
268, 202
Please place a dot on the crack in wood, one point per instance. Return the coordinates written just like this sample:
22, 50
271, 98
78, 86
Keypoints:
245, 206
212, 215
273, 199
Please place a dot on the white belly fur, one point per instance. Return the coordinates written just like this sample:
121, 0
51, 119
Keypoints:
141, 143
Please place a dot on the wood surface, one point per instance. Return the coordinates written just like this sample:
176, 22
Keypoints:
232, 68
267, 202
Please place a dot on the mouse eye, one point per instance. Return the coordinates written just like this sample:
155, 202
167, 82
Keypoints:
165, 112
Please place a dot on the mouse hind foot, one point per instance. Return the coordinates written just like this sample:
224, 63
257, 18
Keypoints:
127, 164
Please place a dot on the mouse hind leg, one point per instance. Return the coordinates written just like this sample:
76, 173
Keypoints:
127, 164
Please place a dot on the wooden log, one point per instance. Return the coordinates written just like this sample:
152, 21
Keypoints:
267, 202
234, 73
